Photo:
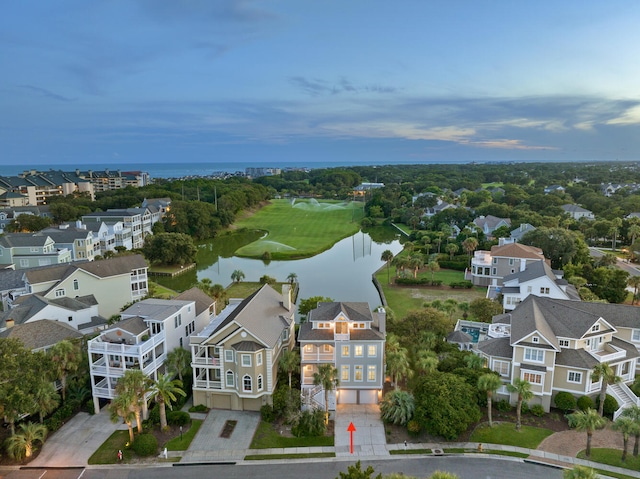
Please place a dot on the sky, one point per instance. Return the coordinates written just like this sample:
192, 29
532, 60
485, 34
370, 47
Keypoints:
409, 81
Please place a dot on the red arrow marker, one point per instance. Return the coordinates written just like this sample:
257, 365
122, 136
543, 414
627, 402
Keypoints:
351, 429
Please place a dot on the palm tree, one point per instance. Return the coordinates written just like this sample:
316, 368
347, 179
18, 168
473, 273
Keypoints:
327, 377
605, 373
633, 412
634, 282
426, 361
415, 262
433, 267
588, 421
292, 278
178, 361
489, 383
401, 263
626, 426
237, 276
616, 224
66, 358
464, 306
580, 472
21, 445
634, 231
135, 385
522, 388
387, 257
290, 363
398, 365
397, 407
121, 407
164, 390
474, 361
46, 398
452, 249
469, 245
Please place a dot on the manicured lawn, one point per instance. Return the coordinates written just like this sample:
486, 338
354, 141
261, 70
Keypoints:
613, 457
182, 444
162, 292
266, 437
402, 299
107, 453
505, 433
301, 230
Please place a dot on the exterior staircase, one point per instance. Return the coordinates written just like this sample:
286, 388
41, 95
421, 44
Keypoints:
624, 396
313, 398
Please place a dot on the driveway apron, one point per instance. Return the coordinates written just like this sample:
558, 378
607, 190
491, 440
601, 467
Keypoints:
368, 438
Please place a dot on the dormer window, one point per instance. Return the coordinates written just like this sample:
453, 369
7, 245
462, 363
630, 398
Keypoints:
595, 328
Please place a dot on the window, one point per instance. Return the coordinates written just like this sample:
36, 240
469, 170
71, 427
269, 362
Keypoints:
358, 373
595, 328
511, 261
246, 384
371, 373
358, 351
24, 263
501, 367
544, 290
70, 318
246, 360
564, 343
529, 289
372, 350
285, 335
259, 382
536, 355
344, 373
495, 260
308, 348
59, 293
494, 271
230, 382
574, 377
345, 351
535, 339
635, 336
259, 362
228, 355
76, 285
533, 378
177, 321
326, 348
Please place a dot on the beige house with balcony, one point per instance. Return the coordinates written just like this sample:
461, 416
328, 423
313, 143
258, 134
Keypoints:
235, 357
488, 268
554, 344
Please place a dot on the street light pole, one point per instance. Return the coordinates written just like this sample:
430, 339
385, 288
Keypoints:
180, 433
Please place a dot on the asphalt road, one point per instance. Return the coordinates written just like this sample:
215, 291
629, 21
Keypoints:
484, 467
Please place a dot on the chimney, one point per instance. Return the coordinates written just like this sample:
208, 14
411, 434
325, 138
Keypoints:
10, 323
382, 320
286, 297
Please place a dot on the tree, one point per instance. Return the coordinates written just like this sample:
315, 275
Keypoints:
426, 361
356, 472
452, 249
306, 305
605, 373
522, 388
178, 361
398, 365
580, 472
610, 284
433, 267
397, 407
170, 249
27, 223
561, 246
616, 224
134, 385
418, 321
164, 391
121, 407
483, 309
588, 421
469, 245
45, 397
473, 361
489, 383
387, 257
237, 276
634, 282
626, 426
292, 278
290, 363
445, 404
22, 444
66, 358
415, 261
327, 377
633, 412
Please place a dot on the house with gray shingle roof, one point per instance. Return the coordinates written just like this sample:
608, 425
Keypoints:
235, 357
147, 331
554, 345
40, 335
39, 186
11, 286
351, 338
488, 268
488, 224
537, 278
577, 212
26, 250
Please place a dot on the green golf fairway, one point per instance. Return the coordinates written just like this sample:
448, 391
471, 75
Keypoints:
300, 228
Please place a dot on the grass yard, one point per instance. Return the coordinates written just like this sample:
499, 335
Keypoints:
182, 444
107, 453
613, 457
505, 433
402, 299
301, 230
267, 437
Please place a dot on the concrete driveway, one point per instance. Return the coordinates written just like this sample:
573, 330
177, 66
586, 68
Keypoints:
75, 442
369, 437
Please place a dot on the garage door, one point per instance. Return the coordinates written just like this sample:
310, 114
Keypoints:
369, 397
347, 396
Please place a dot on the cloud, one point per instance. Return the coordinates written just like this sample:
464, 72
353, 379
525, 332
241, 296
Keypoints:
316, 87
630, 116
43, 92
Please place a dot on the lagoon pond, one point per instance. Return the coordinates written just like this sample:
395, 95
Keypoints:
342, 273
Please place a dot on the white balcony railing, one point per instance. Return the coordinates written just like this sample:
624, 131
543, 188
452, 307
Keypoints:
204, 384
609, 353
100, 345
318, 357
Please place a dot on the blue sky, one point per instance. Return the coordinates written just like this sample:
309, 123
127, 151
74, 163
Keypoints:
138, 81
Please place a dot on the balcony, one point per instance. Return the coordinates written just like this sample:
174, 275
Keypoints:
318, 356
608, 353
102, 345
204, 384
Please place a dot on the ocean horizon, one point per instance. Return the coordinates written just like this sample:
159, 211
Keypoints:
203, 169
